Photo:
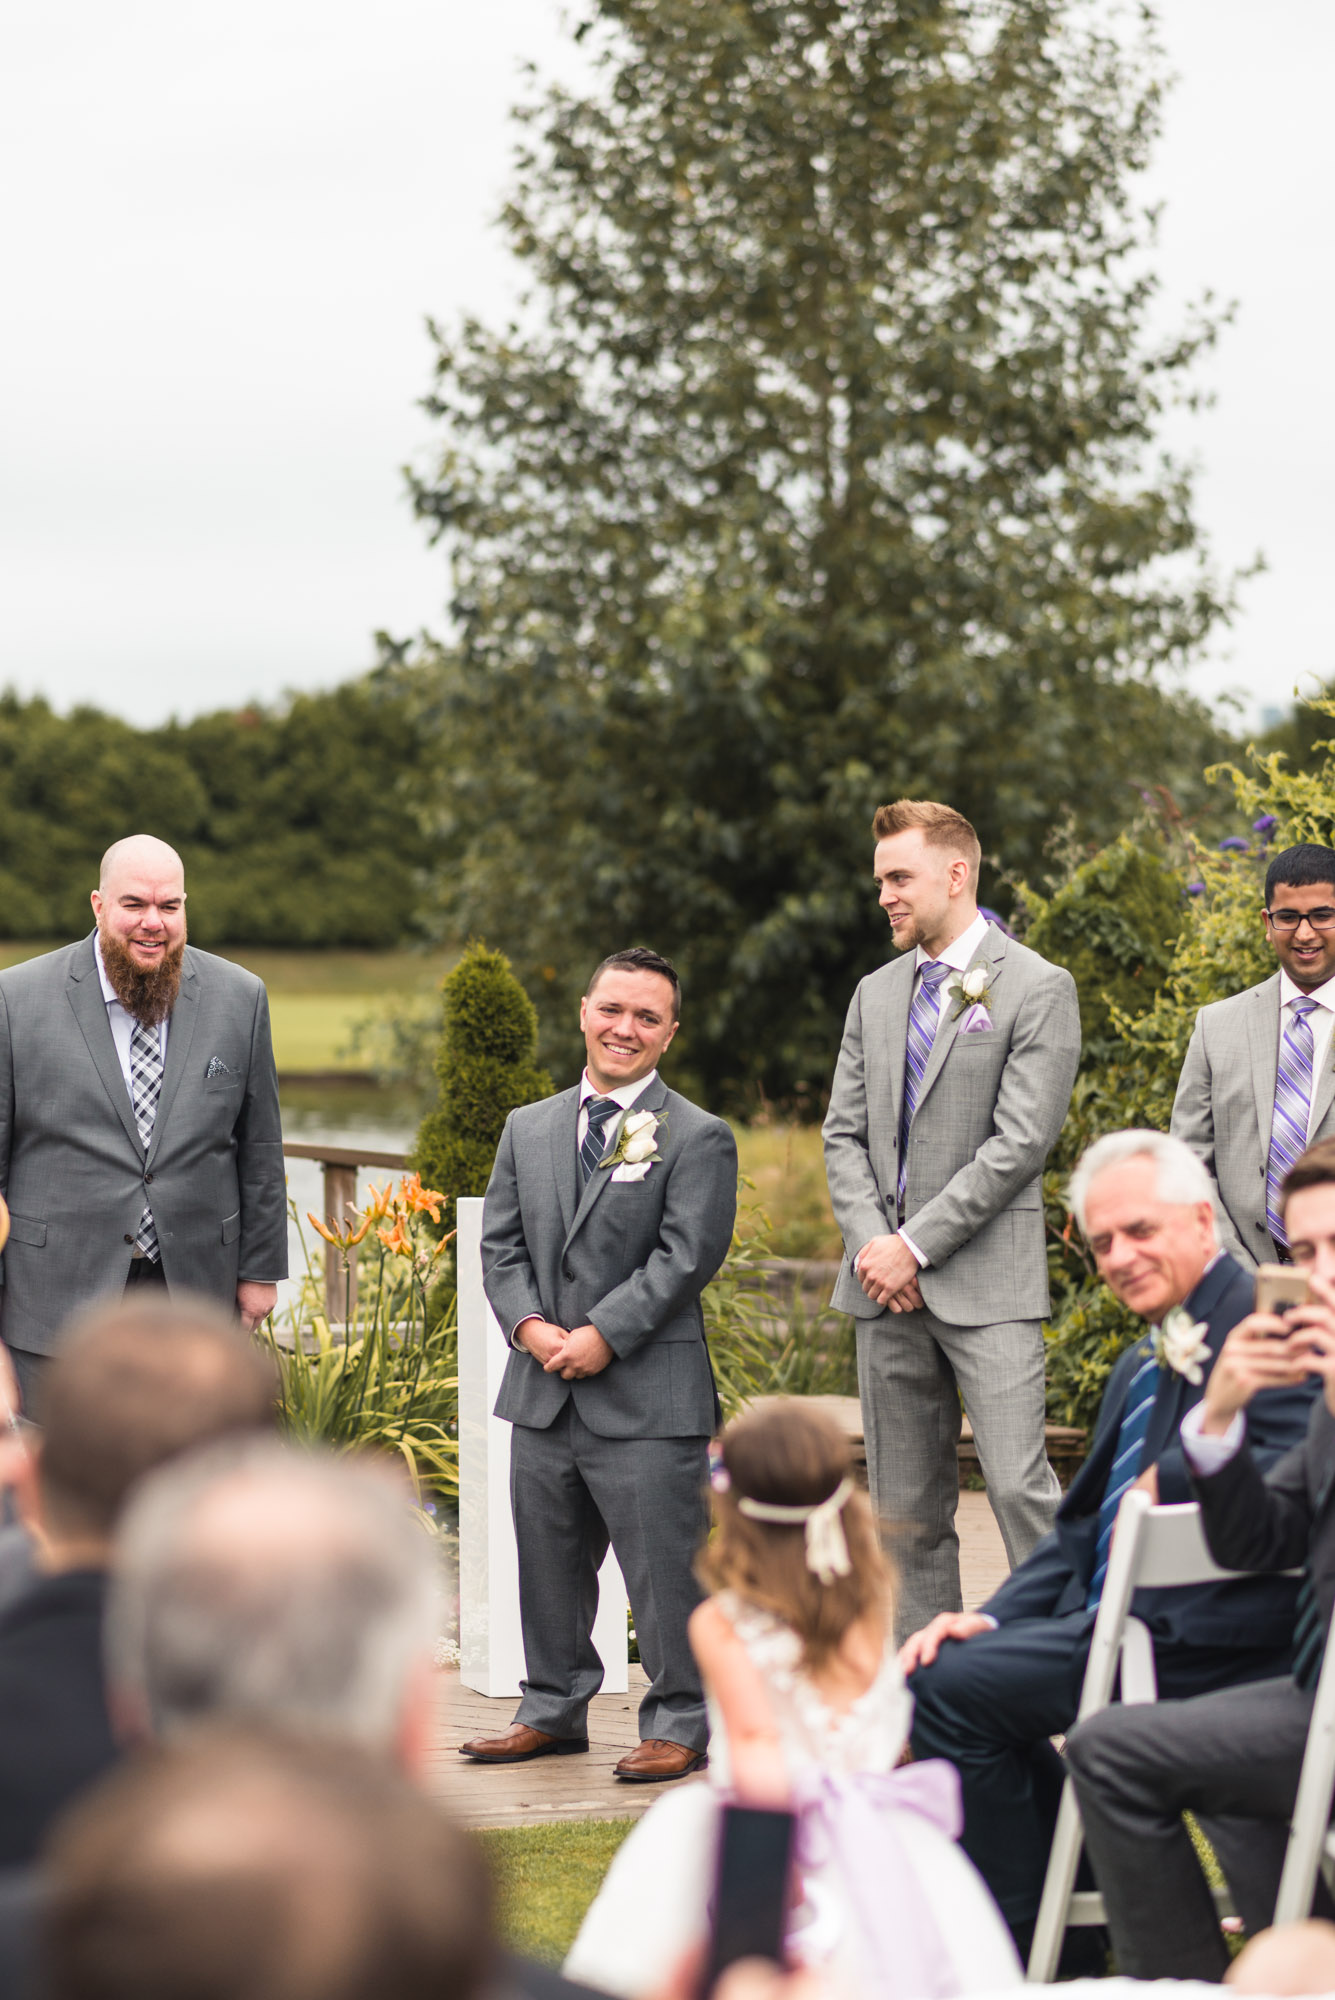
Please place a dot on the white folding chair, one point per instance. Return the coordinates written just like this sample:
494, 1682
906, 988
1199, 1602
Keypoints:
1153, 1548
1311, 1842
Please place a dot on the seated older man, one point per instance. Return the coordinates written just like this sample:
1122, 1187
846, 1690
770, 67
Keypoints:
991, 1687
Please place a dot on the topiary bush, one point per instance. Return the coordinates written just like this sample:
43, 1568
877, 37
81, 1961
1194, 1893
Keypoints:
485, 1066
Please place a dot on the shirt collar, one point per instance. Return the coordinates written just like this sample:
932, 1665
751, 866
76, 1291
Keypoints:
625, 1094
961, 955
1323, 995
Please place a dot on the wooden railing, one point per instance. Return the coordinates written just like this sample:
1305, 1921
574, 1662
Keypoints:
340, 1164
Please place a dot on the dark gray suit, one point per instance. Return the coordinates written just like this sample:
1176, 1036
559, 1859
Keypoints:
1232, 1758
621, 1453
73, 1168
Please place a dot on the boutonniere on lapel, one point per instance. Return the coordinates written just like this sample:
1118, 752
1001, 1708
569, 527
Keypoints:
637, 1148
1179, 1344
971, 992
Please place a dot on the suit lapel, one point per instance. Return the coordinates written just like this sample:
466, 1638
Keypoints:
184, 1015
990, 952
565, 1162
1323, 1091
1263, 1039
84, 990
652, 1099
898, 997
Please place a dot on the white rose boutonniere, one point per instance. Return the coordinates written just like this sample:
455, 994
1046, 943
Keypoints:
971, 992
637, 1148
1179, 1344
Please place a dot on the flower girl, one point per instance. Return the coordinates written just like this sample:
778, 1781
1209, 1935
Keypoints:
809, 1711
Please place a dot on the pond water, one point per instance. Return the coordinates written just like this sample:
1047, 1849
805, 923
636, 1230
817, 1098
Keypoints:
336, 1114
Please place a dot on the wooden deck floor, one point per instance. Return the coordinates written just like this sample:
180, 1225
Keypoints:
582, 1787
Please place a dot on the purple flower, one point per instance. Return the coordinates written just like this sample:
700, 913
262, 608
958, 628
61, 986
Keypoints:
993, 918
1235, 844
1195, 888
1265, 826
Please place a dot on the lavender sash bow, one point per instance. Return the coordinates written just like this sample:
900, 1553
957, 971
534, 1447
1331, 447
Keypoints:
855, 1826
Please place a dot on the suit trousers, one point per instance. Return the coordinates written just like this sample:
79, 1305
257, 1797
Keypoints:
1233, 1759
912, 1370
571, 1491
990, 1704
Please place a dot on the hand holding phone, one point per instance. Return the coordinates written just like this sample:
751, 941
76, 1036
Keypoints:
751, 1890
1280, 1287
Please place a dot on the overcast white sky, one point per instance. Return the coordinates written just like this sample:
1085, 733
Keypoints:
223, 228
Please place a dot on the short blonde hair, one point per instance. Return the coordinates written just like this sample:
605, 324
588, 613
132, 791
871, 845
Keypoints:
940, 826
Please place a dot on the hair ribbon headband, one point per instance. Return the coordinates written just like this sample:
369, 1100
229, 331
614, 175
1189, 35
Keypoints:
827, 1544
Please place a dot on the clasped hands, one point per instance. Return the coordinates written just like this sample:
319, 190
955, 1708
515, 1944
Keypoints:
887, 1271
572, 1353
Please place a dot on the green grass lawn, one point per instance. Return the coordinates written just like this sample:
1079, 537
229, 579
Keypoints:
787, 1166
546, 1877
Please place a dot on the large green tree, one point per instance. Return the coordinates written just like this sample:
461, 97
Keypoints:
818, 470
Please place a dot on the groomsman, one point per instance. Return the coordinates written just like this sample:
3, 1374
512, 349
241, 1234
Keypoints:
609, 1210
952, 1084
1258, 1086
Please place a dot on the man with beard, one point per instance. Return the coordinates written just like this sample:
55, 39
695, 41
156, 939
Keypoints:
140, 1141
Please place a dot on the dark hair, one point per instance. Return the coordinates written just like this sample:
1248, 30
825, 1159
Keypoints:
244, 1866
1300, 868
639, 958
782, 1451
135, 1384
1314, 1168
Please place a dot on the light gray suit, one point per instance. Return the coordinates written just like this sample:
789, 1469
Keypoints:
989, 1110
1224, 1106
72, 1165
621, 1453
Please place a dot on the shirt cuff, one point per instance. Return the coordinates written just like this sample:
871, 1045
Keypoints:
514, 1330
1210, 1454
904, 1237
993, 1624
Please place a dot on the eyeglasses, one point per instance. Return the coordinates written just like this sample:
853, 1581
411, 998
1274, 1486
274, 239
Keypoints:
1289, 920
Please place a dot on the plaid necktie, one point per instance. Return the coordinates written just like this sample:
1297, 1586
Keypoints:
1125, 1468
1293, 1109
600, 1109
145, 1089
924, 1016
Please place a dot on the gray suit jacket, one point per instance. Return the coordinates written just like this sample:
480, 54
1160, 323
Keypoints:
1224, 1105
629, 1257
990, 1109
71, 1164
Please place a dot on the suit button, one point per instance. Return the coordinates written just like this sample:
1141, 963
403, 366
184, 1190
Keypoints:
566, 1271
129, 1239
147, 1179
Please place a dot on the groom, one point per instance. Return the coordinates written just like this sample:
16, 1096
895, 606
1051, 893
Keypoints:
609, 1210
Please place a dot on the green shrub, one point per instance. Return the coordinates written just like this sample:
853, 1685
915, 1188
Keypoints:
485, 1064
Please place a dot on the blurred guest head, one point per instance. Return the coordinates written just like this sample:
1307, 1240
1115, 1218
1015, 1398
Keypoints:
135, 1384
259, 1583
1290, 1958
254, 1867
1146, 1206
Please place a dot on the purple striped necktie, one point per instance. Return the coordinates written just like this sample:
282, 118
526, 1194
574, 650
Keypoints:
924, 1015
1293, 1109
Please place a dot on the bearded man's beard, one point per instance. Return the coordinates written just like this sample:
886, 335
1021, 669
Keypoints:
146, 991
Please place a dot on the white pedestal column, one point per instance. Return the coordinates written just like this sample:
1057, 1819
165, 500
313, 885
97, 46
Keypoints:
491, 1646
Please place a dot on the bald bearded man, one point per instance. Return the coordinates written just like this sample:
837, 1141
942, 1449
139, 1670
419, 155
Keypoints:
140, 1141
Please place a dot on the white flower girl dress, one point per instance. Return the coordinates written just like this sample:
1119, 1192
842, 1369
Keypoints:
889, 1905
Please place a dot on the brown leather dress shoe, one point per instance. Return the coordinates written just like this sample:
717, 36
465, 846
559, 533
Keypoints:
656, 1760
518, 1744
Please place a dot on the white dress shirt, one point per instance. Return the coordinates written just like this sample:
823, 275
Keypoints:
1322, 1023
959, 957
121, 1021
625, 1095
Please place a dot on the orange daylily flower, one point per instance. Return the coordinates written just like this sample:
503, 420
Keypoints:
322, 1229
443, 1244
379, 1201
359, 1235
396, 1240
422, 1200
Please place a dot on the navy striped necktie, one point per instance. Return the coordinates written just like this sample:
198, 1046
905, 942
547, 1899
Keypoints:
600, 1109
1125, 1468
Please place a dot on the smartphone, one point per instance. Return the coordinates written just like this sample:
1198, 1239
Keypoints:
1279, 1287
751, 1889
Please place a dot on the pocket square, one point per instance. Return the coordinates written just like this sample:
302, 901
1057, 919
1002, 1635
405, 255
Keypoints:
217, 1067
631, 1171
977, 1021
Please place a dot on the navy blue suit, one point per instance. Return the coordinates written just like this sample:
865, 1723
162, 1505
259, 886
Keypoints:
990, 1703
